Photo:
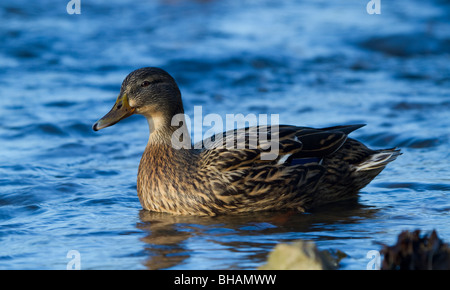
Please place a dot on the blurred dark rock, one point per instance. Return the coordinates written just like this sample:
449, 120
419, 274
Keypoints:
415, 252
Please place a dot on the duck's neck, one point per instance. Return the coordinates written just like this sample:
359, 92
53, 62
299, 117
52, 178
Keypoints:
163, 154
171, 131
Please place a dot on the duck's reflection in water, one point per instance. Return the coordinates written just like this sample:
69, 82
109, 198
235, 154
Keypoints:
242, 241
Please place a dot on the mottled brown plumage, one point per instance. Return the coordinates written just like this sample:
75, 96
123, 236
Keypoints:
312, 167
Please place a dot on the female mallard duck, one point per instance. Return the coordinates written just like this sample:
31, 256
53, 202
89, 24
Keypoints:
313, 166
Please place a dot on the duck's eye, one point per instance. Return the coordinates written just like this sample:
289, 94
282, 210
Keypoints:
145, 84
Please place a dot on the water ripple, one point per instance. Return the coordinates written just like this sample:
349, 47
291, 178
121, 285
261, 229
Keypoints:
416, 186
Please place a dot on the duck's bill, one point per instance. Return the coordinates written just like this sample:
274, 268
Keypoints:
120, 111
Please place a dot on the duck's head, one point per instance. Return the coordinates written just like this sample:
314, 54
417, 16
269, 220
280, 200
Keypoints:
148, 91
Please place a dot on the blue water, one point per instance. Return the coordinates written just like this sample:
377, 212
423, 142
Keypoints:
316, 63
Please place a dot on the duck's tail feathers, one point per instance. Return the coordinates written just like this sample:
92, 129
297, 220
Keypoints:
378, 160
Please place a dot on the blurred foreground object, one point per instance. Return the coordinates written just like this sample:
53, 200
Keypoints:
412, 252
301, 255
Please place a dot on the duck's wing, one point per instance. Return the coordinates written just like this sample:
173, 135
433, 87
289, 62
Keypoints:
241, 176
277, 145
